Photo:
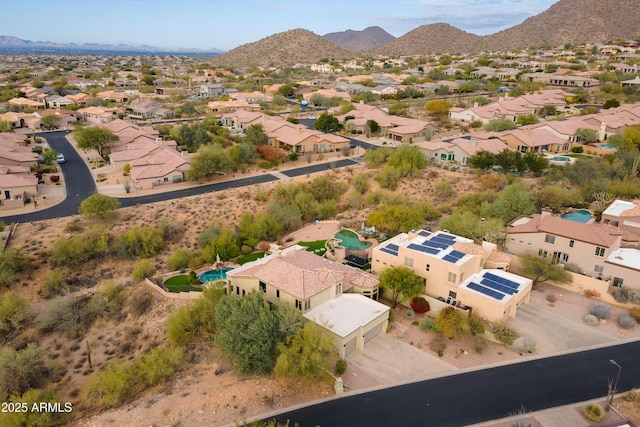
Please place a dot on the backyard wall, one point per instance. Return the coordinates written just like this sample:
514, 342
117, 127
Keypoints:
174, 295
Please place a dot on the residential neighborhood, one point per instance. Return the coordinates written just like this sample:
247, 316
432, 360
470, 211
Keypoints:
315, 230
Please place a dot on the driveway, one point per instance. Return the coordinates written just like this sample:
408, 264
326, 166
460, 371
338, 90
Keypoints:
389, 361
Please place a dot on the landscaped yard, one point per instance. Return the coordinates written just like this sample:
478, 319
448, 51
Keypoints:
316, 247
180, 283
248, 258
579, 156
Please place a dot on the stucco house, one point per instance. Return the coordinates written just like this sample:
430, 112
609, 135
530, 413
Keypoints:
14, 152
16, 185
624, 214
164, 167
445, 262
586, 246
316, 286
222, 107
460, 149
148, 109
97, 115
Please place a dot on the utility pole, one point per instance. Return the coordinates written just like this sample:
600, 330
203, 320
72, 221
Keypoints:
614, 390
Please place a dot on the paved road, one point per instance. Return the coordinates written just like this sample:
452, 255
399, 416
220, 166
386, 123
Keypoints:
78, 180
483, 395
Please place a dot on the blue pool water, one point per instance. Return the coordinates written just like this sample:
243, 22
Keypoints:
578, 216
351, 241
213, 275
560, 159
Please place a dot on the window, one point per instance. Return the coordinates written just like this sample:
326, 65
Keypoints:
307, 305
277, 293
408, 262
263, 287
452, 294
549, 239
542, 253
599, 251
299, 304
428, 267
598, 269
451, 277
338, 288
571, 242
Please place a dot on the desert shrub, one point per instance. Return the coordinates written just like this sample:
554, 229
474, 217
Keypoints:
420, 305
341, 366
181, 326
142, 242
360, 182
106, 302
388, 177
158, 364
62, 314
479, 344
143, 269
626, 321
21, 370
635, 313
14, 310
77, 250
453, 323
409, 313
140, 301
428, 325
99, 206
589, 293
593, 411
601, 310
551, 298
55, 284
504, 334
591, 320
524, 344
179, 260
109, 387
438, 344
476, 325
631, 395
577, 149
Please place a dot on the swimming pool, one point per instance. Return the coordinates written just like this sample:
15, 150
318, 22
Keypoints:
560, 159
582, 216
350, 240
607, 146
213, 275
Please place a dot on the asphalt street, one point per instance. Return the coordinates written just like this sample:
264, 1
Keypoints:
482, 395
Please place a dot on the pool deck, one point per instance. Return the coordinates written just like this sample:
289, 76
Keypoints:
316, 231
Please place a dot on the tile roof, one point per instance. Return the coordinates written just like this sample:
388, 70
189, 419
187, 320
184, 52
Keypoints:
303, 274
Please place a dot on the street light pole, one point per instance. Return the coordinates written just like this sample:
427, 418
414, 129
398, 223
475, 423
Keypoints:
615, 385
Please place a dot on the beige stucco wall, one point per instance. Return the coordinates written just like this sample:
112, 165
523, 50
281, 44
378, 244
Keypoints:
581, 254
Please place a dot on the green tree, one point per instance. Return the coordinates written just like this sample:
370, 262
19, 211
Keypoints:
243, 153
306, 353
158, 364
111, 386
515, 200
542, 270
396, 219
255, 134
374, 158
50, 121
409, 160
535, 162
99, 206
610, 103
499, 125
21, 370
210, 159
468, 224
527, 119
327, 123
34, 418
402, 283
193, 136
226, 245
247, 331
286, 90
94, 138
360, 182
482, 160
11, 263
14, 310
372, 125
438, 106
586, 135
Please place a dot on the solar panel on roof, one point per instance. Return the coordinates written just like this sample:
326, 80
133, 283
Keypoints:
450, 259
445, 236
498, 286
393, 247
388, 251
424, 233
502, 280
430, 244
424, 249
457, 254
486, 291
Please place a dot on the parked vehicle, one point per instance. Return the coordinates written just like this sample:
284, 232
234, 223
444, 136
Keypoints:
60, 158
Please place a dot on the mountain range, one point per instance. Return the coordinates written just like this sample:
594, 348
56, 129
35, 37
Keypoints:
567, 21
17, 44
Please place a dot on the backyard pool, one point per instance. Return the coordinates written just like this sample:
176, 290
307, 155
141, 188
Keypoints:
582, 216
350, 240
560, 159
607, 146
213, 275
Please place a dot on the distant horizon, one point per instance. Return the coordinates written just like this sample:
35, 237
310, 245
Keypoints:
220, 25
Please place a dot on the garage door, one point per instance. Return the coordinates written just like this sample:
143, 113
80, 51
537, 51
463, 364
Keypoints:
349, 347
372, 334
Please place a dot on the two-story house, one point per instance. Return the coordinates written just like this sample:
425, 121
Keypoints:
339, 298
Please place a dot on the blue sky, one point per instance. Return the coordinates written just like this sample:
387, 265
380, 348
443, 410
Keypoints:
226, 24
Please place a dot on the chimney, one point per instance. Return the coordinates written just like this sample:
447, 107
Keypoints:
475, 105
474, 142
545, 212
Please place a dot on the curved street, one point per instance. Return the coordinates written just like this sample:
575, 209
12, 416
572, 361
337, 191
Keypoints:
481, 395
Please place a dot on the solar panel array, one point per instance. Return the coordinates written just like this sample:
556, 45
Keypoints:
424, 233
495, 286
423, 248
389, 251
453, 257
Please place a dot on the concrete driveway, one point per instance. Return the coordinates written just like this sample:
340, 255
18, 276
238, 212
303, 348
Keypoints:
389, 361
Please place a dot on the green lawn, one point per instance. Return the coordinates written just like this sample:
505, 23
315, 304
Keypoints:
579, 156
316, 247
248, 258
180, 283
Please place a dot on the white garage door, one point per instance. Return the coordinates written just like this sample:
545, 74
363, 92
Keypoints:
372, 334
349, 347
